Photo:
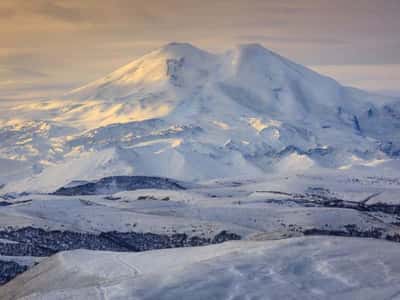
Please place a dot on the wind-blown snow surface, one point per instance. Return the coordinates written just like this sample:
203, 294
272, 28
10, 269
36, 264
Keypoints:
299, 268
184, 113
259, 212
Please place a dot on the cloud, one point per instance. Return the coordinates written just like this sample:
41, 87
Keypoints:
294, 40
58, 11
7, 12
20, 72
93, 12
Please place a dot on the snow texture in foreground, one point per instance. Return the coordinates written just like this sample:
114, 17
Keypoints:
298, 268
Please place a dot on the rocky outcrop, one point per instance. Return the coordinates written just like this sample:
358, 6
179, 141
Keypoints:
114, 184
31, 241
350, 230
10, 269
38, 242
321, 198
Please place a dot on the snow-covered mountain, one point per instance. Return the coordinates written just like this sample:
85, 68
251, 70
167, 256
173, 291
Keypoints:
184, 113
256, 148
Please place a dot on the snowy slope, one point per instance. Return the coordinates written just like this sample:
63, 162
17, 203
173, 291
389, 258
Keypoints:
184, 113
338, 203
328, 268
276, 206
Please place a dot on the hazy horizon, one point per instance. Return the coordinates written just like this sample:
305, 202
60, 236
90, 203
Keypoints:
49, 47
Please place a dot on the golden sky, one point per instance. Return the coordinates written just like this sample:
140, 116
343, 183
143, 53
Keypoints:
50, 46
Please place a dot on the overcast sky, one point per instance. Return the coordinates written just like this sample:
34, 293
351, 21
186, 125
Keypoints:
50, 46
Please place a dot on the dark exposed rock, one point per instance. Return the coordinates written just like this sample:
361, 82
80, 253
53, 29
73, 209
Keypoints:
349, 230
149, 197
386, 208
10, 269
39, 242
31, 241
326, 199
356, 124
112, 198
393, 237
132, 241
13, 196
225, 236
174, 67
7, 203
113, 184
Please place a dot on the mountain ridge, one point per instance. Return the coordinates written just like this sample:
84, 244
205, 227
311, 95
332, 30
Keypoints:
184, 113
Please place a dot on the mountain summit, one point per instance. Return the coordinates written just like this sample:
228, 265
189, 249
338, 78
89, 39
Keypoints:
185, 113
250, 75
172, 64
